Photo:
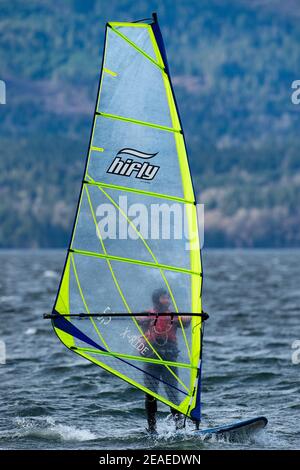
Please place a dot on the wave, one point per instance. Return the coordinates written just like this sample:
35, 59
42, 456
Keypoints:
51, 274
50, 430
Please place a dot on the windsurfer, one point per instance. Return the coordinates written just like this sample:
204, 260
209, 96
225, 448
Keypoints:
161, 333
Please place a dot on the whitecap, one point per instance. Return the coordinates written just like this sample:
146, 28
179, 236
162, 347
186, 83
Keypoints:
50, 430
31, 331
50, 274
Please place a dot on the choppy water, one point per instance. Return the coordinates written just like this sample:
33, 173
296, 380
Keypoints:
50, 398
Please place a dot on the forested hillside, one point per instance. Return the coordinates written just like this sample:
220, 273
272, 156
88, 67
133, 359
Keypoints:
232, 64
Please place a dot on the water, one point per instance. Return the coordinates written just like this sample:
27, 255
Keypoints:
53, 399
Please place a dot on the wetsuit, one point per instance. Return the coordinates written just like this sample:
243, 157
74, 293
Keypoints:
161, 333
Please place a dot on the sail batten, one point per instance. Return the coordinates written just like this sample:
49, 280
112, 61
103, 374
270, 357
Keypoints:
136, 154
138, 191
135, 46
135, 261
135, 121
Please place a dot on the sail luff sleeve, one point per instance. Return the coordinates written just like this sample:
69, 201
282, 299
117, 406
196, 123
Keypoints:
195, 254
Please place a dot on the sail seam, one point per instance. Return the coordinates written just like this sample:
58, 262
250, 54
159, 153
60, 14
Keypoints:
132, 44
137, 358
136, 121
134, 261
137, 191
133, 24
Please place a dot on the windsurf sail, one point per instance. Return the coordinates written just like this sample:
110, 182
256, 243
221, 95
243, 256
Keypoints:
136, 159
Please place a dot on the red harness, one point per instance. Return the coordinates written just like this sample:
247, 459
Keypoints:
161, 329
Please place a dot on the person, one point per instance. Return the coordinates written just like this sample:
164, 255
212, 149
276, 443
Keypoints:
160, 332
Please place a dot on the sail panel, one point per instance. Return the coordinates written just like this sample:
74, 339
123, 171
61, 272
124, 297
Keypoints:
134, 226
85, 234
153, 149
100, 279
140, 37
137, 79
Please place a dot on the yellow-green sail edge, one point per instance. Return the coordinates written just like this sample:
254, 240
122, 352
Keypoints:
190, 406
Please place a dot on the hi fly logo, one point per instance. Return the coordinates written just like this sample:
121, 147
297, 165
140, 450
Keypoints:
129, 167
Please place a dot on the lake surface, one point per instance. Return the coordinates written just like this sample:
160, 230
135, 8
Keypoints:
51, 398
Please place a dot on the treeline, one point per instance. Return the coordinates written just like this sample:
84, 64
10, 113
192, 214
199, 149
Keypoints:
244, 205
